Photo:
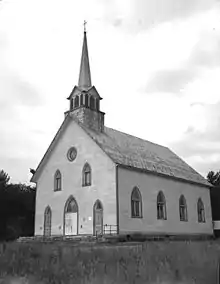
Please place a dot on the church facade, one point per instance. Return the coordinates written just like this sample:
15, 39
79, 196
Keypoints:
97, 180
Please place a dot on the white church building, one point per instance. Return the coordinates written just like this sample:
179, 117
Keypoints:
93, 179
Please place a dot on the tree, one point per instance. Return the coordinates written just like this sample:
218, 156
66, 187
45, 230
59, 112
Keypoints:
214, 178
4, 178
17, 209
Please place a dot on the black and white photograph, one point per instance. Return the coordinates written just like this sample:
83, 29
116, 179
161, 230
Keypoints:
110, 141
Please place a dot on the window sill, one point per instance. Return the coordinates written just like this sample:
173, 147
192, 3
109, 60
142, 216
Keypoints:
137, 217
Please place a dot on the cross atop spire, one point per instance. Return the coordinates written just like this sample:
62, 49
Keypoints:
84, 74
84, 26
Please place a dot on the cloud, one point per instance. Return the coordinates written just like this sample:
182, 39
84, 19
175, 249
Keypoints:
170, 81
206, 52
19, 91
142, 14
203, 55
201, 147
19, 165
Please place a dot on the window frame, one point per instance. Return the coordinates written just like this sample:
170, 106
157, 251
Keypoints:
201, 211
183, 213
136, 203
161, 206
86, 175
57, 181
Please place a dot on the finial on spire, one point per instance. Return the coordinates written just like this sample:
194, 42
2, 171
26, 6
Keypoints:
84, 74
84, 26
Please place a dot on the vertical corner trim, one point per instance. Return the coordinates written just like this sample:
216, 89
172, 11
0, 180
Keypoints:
117, 199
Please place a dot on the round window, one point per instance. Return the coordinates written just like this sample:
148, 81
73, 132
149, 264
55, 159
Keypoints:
71, 154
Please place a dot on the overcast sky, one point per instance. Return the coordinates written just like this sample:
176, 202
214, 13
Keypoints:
156, 63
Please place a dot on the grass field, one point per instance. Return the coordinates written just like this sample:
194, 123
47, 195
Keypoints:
149, 262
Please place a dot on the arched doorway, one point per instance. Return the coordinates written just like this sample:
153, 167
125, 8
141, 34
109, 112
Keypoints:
71, 217
47, 221
98, 218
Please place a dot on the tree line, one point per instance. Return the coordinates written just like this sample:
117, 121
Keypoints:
17, 209
214, 179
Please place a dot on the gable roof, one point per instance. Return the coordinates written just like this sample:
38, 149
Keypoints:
135, 153
132, 152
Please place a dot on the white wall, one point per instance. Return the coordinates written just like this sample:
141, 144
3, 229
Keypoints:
149, 186
103, 182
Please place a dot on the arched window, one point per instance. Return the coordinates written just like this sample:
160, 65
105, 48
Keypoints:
92, 102
81, 99
71, 206
47, 221
76, 101
161, 206
201, 211
86, 100
57, 181
136, 203
71, 103
86, 175
183, 209
98, 205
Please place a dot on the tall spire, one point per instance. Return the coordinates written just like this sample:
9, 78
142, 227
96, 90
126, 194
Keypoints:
84, 74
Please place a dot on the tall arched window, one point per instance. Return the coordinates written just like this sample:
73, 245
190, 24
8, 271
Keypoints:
86, 100
86, 175
136, 203
183, 208
201, 211
76, 101
47, 221
57, 181
161, 206
81, 99
92, 102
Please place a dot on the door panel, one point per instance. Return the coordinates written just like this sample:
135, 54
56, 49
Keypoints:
98, 222
47, 225
70, 224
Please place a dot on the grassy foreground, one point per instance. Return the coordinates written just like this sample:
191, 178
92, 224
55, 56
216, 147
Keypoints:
149, 262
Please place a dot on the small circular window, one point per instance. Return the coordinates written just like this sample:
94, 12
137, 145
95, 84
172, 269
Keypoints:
71, 154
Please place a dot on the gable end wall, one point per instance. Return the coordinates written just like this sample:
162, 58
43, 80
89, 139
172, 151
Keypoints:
103, 182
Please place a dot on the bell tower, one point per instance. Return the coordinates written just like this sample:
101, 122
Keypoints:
84, 98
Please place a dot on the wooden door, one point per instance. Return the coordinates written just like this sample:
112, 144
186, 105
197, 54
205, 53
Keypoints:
98, 222
47, 222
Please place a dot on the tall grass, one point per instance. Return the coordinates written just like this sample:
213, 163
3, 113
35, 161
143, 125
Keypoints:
149, 262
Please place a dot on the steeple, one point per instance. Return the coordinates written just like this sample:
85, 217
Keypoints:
84, 98
84, 73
